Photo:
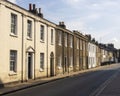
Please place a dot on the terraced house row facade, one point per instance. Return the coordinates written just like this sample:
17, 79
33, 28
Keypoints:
33, 47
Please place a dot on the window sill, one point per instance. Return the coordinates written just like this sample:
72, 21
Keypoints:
28, 38
59, 68
41, 70
66, 46
71, 66
13, 35
60, 44
77, 65
52, 44
12, 73
42, 41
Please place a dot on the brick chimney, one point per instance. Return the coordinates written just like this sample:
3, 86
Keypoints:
34, 10
61, 24
30, 7
39, 13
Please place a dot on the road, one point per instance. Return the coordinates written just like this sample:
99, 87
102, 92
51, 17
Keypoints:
79, 85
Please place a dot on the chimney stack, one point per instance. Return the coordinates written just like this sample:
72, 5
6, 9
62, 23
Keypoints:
39, 10
30, 7
34, 10
61, 24
39, 13
34, 7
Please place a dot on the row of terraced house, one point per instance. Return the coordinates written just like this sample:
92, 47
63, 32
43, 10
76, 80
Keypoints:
32, 47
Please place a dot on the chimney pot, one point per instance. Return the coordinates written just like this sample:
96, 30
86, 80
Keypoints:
62, 23
39, 10
59, 23
36, 11
34, 7
30, 7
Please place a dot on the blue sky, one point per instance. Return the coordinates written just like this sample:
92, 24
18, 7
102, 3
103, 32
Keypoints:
100, 18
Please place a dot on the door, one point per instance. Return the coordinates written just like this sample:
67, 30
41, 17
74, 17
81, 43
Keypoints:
52, 64
30, 65
65, 64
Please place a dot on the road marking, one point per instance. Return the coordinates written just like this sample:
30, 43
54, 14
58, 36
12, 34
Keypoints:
99, 90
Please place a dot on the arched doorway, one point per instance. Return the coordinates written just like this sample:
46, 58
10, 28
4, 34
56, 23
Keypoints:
52, 64
30, 63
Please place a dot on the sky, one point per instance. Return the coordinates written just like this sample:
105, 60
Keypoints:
100, 18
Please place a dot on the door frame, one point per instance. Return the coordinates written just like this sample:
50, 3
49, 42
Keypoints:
32, 65
52, 69
65, 64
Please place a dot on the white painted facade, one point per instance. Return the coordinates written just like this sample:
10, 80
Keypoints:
24, 46
91, 55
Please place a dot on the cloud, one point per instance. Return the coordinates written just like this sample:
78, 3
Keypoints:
114, 40
100, 18
76, 25
13, 1
73, 3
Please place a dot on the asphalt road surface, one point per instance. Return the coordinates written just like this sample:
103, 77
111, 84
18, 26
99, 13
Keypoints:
80, 85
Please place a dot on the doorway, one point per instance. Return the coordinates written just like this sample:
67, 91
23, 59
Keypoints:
52, 64
65, 62
30, 63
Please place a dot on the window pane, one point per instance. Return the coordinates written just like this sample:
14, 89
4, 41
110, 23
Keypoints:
42, 33
71, 61
42, 60
77, 43
71, 41
81, 45
65, 37
59, 38
29, 29
14, 24
51, 36
59, 61
13, 60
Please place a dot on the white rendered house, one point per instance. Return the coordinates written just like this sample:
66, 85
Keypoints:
91, 55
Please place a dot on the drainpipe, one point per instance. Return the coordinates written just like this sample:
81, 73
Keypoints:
79, 56
22, 48
34, 46
63, 55
68, 54
47, 51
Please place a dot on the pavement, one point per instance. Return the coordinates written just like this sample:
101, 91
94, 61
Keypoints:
102, 91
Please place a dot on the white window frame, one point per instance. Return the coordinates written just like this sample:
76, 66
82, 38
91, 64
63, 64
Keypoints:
81, 45
71, 41
13, 60
60, 38
65, 37
42, 32
29, 28
13, 24
77, 60
84, 44
52, 36
71, 61
59, 62
77, 43
42, 57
